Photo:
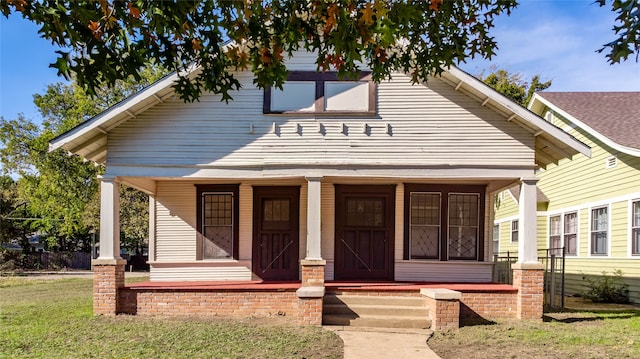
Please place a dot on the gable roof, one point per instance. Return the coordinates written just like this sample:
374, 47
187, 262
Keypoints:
89, 139
612, 117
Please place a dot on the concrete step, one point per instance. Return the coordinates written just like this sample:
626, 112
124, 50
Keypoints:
331, 298
379, 321
375, 311
363, 309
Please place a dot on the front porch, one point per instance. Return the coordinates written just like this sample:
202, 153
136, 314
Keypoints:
447, 305
336, 252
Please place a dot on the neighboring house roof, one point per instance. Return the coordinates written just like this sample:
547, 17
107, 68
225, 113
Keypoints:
89, 139
612, 117
540, 196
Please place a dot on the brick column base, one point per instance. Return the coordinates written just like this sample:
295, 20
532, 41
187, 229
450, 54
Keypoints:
444, 308
528, 278
108, 278
311, 292
313, 272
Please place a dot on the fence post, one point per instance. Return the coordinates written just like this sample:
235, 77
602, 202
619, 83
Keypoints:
564, 254
552, 286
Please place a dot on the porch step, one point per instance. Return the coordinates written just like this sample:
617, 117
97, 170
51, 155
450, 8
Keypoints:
375, 311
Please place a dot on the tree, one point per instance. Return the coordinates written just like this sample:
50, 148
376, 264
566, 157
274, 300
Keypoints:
513, 86
106, 40
628, 32
61, 191
11, 209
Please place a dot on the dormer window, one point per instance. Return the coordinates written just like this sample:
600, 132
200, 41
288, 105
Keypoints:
322, 93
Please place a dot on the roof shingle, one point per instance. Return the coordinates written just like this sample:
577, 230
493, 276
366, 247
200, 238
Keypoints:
616, 115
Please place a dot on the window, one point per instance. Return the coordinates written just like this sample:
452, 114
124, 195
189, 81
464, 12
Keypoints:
217, 222
599, 228
317, 92
571, 233
555, 234
496, 239
635, 228
425, 225
563, 232
514, 231
444, 222
463, 225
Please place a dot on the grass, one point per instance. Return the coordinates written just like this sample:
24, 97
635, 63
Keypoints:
54, 319
596, 332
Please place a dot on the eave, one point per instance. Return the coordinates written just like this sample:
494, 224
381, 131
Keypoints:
89, 139
551, 142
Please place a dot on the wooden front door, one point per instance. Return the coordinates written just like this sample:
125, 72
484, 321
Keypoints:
364, 232
276, 232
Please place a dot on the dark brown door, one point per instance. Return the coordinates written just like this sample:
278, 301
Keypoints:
364, 232
275, 236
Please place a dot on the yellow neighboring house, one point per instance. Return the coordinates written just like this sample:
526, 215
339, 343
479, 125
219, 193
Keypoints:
589, 205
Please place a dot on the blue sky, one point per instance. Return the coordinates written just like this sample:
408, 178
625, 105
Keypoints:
554, 38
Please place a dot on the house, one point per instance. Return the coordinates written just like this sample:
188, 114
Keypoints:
592, 205
273, 198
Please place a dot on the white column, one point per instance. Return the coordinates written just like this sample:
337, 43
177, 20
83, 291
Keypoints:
527, 232
313, 218
109, 219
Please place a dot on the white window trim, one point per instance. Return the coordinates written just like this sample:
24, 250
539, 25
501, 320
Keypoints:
630, 254
577, 212
589, 254
511, 230
549, 229
562, 232
493, 233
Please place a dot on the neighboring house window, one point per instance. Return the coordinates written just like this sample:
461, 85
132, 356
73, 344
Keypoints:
217, 222
599, 231
444, 222
555, 234
514, 231
635, 228
571, 233
563, 232
496, 239
322, 92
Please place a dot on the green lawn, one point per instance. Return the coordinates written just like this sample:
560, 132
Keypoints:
608, 332
53, 319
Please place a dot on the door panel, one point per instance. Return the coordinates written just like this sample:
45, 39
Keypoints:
364, 232
276, 242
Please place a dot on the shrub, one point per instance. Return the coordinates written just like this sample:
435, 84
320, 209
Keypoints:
607, 288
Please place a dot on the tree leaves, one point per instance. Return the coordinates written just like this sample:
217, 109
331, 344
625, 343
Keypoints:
105, 41
58, 189
628, 32
513, 86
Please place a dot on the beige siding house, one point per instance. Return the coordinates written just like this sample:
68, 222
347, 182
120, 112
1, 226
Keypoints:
325, 180
593, 207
